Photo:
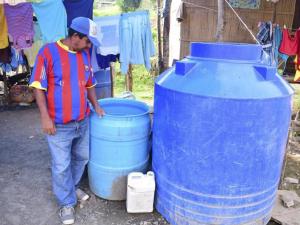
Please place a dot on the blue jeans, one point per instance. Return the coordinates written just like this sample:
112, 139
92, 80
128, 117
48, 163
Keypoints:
69, 149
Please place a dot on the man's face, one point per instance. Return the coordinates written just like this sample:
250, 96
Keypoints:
80, 44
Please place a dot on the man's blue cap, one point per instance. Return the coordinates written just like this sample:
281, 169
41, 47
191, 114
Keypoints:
86, 26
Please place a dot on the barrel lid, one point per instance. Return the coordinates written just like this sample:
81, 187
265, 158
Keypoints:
225, 70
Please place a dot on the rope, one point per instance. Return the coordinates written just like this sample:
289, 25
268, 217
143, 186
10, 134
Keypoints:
253, 36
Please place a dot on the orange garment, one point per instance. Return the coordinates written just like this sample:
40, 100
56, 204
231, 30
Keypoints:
3, 29
297, 75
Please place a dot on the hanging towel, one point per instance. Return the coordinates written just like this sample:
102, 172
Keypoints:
78, 8
136, 43
3, 29
20, 24
277, 41
52, 18
289, 44
108, 34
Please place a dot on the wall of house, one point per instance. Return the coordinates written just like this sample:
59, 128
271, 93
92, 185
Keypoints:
200, 21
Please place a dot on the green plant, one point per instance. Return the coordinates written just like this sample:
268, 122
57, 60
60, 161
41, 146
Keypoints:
128, 5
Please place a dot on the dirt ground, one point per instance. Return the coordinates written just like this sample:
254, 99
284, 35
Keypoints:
25, 179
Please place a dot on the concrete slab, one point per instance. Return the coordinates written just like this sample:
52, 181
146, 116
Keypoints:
287, 216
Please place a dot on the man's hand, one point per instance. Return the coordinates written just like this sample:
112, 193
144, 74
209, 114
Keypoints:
48, 125
99, 111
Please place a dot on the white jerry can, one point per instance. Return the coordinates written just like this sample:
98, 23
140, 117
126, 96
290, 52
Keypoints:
140, 192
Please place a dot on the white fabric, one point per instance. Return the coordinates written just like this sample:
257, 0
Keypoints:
108, 35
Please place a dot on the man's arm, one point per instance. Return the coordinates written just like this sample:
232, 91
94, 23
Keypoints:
48, 125
93, 99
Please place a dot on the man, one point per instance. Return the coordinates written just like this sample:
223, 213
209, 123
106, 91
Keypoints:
63, 81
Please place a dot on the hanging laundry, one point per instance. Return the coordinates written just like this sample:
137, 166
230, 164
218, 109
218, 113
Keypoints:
104, 61
277, 41
297, 65
14, 2
136, 40
32, 52
108, 34
15, 59
289, 44
52, 18
265, 37
20, 24
100, 62
5, 55
3, 29
78, 8
94, 62
180, 13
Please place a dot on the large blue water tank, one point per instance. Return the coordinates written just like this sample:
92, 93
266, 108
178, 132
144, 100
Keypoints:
119, 144
221, 119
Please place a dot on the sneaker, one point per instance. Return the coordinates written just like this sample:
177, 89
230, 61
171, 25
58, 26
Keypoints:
81, 195
67, 215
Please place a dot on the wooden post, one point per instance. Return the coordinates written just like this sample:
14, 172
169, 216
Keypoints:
128, 79
112, 77
220, 25
5, 83
160, 62
274, 12
166, 32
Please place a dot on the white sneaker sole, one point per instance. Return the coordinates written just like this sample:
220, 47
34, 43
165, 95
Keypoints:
86, 197
71, 221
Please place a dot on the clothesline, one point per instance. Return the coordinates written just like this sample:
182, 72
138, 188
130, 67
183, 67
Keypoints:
199, 6
251, 33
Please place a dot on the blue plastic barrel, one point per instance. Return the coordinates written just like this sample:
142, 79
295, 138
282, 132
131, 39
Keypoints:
118, 145
103, 86
221, 119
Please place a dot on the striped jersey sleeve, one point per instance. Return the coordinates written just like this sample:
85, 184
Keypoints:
38, 77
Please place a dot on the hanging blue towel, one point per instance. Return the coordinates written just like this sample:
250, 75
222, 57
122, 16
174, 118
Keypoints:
277, 41
135, 40
78, 8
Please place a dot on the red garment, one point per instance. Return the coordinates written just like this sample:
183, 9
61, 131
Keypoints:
289, 44
298, 50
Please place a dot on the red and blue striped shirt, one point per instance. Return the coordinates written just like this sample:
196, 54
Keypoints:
64, 75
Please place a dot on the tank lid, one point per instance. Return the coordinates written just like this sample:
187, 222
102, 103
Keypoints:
226, 51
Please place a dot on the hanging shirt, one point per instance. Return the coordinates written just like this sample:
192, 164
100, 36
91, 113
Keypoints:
52, 18
108, 35
14, 2
297, 74
32, 52
65, 76
20, 24
3, 29
289, 44
78, 8
135, 40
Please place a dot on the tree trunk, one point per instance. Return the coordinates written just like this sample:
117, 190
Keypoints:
220, 25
